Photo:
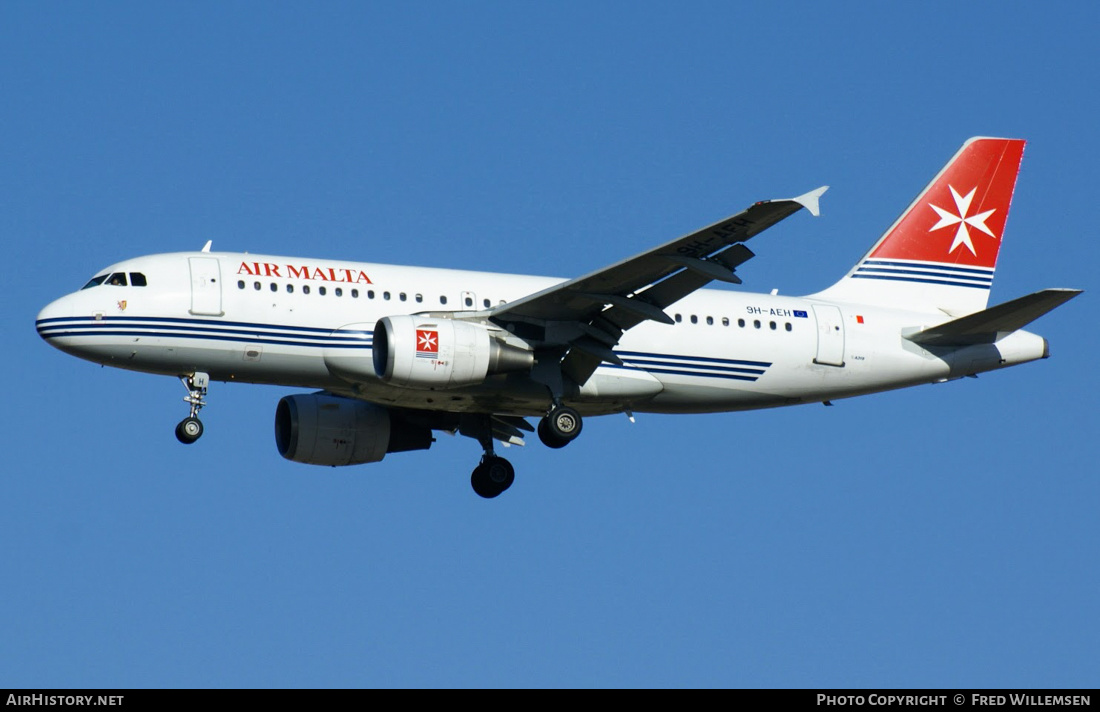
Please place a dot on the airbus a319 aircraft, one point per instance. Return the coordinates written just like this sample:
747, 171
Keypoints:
395, 353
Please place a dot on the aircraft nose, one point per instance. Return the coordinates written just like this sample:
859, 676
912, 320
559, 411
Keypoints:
47, 321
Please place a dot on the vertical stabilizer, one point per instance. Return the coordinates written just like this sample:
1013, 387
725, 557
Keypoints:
941, 253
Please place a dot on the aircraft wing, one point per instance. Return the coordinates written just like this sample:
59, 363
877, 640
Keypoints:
585, 317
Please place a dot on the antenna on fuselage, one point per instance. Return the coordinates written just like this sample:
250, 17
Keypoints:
206, 247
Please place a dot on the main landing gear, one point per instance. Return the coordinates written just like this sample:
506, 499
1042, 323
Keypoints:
190, 428
494, 474
560, 427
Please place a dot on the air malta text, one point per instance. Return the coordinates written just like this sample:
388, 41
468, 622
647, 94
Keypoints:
325, 274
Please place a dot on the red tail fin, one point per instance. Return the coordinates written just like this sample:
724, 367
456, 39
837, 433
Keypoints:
941, 253
960, 216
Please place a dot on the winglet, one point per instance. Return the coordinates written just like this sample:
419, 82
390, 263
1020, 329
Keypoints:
206, 247
810, 200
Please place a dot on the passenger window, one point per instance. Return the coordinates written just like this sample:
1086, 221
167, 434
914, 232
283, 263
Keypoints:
290, 289
339, 292
486, 302
305, 289
95, 281
256, 286
118, 279
442, 299
772, 325
402, 296
679, 318
322, 291
386, 295
274, 287
725, 321
137, 279
694, 319
355, 294
789, 326
756, 323
370, 294
710, 320
741, 323
419, 298
240, 284
469, 302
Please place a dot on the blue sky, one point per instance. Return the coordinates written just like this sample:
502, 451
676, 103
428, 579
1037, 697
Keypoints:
942, 536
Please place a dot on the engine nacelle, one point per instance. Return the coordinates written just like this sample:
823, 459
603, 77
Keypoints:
320, 429
426, 352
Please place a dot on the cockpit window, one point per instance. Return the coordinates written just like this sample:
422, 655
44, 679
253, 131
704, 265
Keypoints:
137, 279
95, 281
118, 279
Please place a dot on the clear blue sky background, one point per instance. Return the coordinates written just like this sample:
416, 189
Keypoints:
940, 536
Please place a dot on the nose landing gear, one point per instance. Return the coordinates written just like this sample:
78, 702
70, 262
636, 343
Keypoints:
190, 428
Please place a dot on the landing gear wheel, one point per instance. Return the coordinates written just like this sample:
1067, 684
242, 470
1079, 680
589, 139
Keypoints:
500, 472
548, 439
189, 430
561, 425
492, 476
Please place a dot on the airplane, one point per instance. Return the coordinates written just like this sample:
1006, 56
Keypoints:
393, 353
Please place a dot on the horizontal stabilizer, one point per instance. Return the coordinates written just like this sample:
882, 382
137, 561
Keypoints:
990, 325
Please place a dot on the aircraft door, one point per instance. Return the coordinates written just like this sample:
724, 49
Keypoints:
206, 286
830, 335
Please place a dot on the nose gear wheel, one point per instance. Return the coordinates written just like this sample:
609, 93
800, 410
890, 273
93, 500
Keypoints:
190, 428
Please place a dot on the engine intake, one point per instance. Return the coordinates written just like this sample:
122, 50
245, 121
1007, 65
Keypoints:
425, 352
319, 429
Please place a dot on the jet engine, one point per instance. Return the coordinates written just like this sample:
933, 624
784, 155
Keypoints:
426, 352
320, 429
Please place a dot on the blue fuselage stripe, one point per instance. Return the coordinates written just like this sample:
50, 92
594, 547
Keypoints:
202, 323
645, 363
680, 372
984, 272
253, 333
707, 359
923, 281
339, 344
962, 279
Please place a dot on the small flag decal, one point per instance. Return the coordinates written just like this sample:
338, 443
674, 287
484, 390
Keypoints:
427, 343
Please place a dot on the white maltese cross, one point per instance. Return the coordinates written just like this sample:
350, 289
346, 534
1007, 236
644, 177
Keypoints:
962, 236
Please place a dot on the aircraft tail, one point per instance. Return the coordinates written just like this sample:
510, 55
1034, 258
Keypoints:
993, 324
940, 255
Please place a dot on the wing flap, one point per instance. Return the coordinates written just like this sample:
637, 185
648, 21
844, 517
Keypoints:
710, 246
581, 320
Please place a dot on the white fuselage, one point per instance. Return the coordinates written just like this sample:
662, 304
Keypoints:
275, 320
